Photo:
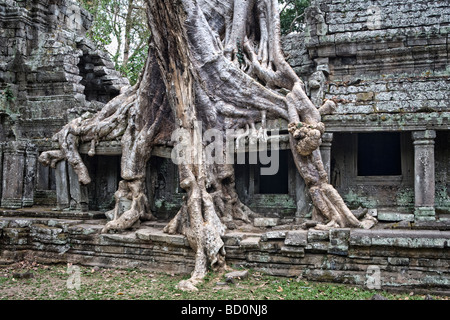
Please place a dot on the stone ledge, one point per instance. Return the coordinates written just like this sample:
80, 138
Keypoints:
291, 251
339, 241
400, 238
337, 255
250, 243
317, 235
274, 235
123, 238
233, 238
157, 235
318, 247
265, 222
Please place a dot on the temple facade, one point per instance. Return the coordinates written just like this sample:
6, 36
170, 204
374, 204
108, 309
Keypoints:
387, 63
386, 147
50, 73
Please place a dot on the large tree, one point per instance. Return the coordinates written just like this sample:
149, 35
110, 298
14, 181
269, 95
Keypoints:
215, 64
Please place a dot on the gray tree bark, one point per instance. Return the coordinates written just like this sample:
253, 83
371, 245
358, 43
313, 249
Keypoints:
218, 63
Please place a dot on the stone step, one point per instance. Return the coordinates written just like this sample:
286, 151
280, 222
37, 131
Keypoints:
250, 242
234, 238
157, 235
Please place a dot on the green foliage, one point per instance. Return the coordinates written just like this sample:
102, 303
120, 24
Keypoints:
135, 64
292, 15
119, 24
7, 94
120, 28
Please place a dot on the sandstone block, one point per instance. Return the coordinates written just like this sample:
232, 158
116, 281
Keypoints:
296, 238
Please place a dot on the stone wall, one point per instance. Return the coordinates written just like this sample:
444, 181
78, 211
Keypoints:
388, 65
386, 61
49, 73
376, 259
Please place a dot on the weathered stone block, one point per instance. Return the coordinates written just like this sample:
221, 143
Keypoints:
124, 238
230, 276
318, 247
339, 240
360, 237
296, 238
317, 235
233, 238
15, 236
401, 238
274, 235
395, 216
84, 229
4, 224
15, 232
43, 229
63, 224
21, 223
398, 261
365, 96
292, 251
250, 243
159, 236
265, 222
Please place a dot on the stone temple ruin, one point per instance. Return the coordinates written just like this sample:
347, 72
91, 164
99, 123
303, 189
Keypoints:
386, 150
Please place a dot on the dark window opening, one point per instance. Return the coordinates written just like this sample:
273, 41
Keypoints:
379, 154
277, 183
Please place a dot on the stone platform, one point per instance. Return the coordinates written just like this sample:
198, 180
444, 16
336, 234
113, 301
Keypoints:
388, 259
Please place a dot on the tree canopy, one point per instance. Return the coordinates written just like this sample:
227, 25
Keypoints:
291, 15
120, 27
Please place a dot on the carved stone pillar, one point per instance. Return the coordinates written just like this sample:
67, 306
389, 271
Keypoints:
325, 151
424, 174
70, 194
62, 186
29, 176
13, 174
78, 193
1, 169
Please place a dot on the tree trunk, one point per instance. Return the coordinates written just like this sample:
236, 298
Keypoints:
211, 65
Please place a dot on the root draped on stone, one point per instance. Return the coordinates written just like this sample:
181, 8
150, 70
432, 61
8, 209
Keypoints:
214, 64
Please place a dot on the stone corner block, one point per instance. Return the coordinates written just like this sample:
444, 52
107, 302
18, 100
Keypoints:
339, 240
250, 243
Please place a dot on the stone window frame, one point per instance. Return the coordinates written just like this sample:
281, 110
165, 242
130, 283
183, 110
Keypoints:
253, 198
407, 163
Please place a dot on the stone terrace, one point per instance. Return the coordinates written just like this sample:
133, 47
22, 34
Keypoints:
405, 259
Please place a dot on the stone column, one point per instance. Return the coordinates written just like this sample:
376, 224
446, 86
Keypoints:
424, 174
62, 186
325, 151
29, 176
13, 174
1, 168
79, 199
304, 202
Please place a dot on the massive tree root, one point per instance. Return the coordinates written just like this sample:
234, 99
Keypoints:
211, 64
